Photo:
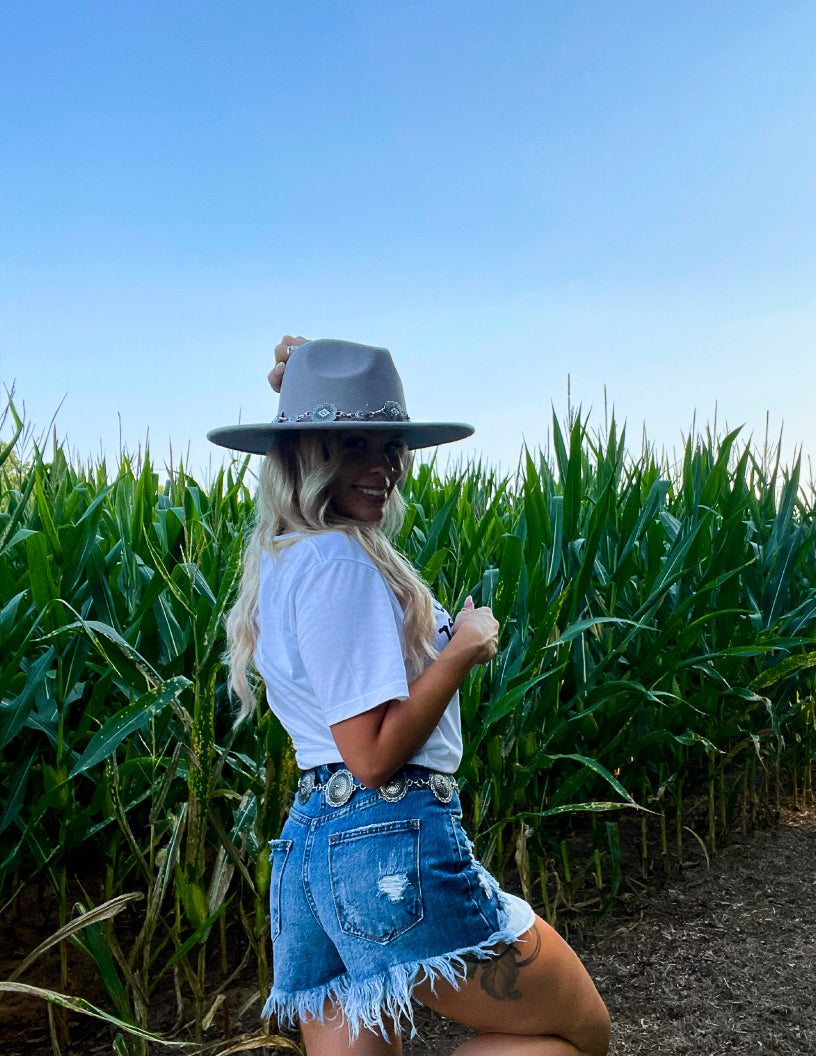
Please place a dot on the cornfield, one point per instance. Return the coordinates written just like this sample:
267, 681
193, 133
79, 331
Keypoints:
654, 689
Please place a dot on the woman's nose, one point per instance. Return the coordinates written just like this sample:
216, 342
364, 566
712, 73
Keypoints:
379, 466
379, 462
377, 457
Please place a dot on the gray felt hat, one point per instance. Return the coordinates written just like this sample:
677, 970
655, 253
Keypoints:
331, 384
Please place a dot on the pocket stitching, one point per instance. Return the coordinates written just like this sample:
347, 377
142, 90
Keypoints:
275, 885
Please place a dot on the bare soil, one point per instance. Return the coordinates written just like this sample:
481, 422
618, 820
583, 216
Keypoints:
722, 960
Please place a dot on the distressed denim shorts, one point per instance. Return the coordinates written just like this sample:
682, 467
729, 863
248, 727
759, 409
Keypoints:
372, 898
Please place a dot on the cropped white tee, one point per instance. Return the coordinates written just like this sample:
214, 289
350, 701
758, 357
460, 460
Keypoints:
330, 646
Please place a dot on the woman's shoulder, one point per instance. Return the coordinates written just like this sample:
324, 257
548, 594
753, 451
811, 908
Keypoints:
319, 548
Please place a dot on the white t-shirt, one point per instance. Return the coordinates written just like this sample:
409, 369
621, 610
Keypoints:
330, 646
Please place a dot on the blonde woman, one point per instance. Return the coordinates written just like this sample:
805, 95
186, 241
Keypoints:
376, 898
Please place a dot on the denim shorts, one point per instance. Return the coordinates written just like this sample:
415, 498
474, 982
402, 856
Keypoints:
372, 898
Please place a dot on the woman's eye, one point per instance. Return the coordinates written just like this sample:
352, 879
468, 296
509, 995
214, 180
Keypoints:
395, 448
354, 443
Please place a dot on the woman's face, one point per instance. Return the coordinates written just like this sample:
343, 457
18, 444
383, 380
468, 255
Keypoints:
370, 467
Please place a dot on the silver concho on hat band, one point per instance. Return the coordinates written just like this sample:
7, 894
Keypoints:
339, 788
442, 786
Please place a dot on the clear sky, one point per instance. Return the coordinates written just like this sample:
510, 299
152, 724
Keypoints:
503, 192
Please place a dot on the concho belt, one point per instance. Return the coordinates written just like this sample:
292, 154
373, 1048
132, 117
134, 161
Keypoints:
342, 785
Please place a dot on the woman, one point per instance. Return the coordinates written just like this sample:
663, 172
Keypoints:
375, 895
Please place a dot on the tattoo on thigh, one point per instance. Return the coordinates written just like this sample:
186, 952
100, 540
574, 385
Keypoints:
498, 976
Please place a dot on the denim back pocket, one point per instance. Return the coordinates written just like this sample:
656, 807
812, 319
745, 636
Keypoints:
278, 853
375, 881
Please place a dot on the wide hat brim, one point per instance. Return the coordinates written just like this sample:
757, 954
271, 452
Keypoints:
259, 438
332, 385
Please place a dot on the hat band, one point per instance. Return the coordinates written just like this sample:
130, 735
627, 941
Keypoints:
329, 412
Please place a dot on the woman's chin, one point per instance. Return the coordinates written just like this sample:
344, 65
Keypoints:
370, 517
365, 515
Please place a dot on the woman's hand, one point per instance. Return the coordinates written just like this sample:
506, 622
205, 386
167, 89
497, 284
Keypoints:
477, 629
282, 353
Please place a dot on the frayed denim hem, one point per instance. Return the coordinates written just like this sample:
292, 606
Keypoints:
288, 1008
367, 1004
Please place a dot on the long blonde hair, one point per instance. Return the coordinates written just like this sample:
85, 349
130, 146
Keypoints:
294, 496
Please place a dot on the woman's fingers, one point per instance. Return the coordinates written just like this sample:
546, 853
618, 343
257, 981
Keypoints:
283, 351
483, 628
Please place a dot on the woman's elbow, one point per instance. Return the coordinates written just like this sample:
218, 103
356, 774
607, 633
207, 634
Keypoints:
363, 748
370, 775
367, 766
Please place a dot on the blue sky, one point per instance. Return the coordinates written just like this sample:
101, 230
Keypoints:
504, 194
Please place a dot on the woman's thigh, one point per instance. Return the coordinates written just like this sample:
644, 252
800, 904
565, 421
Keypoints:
535, 986
331, 1038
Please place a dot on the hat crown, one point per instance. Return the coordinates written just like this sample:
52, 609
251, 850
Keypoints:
329, 379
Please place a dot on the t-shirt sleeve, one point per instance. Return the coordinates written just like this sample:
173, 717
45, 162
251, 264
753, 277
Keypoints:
348, 638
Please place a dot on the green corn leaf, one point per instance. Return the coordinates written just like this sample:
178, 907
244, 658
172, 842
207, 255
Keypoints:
788, 666
166, 577
15, 793
510, 563
128, 662
439, 525
692, 737
6, 449
16, 712
613, 839
226, 591
92, 941
575, 630
654, 501
171, 858
11, 617
596, 767
579, 807
130, 719
43, 586
172, 635
572, 482
190, 943
562, 461
434, 566
8, 533
553, 560
486, 522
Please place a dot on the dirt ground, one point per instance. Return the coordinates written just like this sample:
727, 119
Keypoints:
721, 961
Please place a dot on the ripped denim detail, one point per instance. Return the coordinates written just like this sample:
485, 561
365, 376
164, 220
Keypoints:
373, 1003
392, 886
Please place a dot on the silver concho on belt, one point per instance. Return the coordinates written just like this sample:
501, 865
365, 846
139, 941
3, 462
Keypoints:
442, 786
339, 788
306, 784
395, 789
